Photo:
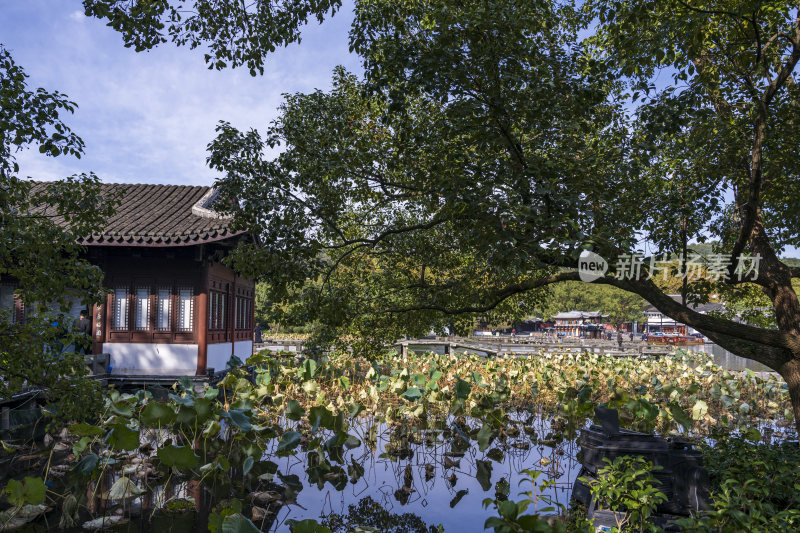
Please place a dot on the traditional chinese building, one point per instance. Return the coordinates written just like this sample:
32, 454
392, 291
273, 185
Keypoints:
657, 322
173, 307
587, 324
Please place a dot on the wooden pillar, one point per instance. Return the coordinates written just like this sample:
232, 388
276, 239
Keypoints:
202, 329
232, 313
252, 320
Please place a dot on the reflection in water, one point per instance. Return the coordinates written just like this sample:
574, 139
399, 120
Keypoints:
434, 475
369, 513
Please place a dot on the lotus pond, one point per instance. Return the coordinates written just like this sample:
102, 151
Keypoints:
427, 443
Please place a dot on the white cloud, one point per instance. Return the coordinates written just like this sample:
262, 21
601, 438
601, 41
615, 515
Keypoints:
77, 16
148, 117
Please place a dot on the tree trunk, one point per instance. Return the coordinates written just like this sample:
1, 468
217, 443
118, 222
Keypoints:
790, 372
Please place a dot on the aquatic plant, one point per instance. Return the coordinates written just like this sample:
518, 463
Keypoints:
222, 447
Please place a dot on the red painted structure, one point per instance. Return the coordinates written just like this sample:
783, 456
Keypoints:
172, 306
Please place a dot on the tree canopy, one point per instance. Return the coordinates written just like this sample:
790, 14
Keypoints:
488, 143
435, 186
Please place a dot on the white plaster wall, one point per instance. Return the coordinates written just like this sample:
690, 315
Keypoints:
148, 358
218, 355
243, 349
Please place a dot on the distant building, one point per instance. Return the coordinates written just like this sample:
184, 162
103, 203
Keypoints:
658, 322
587, 324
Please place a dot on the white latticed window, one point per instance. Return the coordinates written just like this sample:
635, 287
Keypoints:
164, 310
142, 309
120, 320
243, 313
185, 309
223, 323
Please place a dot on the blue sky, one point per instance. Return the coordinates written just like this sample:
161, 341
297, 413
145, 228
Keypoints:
147, 117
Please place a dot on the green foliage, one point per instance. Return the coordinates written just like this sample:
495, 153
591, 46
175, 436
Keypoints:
44, 260
370, 516
259, 27
284, 315
423, 203
122, 437
692, 115
455, 178
308, 526
181, 457
31, 117
511, 517
294, 411
155, 414
289, 441
221, 437
485, 146
85, 430
236, 523
627, 486
29, 491
754, 486
86, 466
227, 518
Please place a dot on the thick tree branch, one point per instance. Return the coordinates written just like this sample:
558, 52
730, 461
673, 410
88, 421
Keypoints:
703, 323
773, 345
495, 299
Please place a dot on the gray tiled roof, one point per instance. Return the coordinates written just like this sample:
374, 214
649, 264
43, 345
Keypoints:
160, 215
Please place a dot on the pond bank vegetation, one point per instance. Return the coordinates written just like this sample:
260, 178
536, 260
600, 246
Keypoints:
424, 443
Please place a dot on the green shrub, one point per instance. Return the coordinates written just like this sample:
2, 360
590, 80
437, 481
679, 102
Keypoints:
627, 487
754, 487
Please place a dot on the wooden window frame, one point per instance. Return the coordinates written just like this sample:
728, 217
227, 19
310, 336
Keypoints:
217, 310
